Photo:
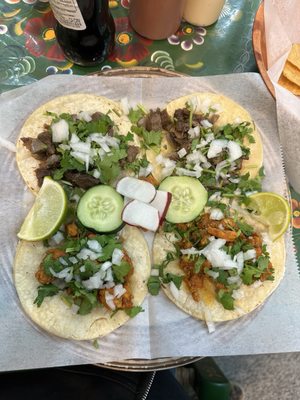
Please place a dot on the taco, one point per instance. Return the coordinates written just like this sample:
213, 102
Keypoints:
80, 138
206, 134
84, 285
218, 267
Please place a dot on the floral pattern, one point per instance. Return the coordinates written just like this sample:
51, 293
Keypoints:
40, 38
130, 48
187, 36
296, 213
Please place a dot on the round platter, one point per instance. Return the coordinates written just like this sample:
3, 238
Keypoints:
140, 72
259, 47
137, 365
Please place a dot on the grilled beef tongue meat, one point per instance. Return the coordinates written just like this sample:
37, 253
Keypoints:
80, 179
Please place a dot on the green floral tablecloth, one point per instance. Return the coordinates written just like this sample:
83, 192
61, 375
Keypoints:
29, 51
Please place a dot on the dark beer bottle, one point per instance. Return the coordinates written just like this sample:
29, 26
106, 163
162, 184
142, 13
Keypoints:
85, 30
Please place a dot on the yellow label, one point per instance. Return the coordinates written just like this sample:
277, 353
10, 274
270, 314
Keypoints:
68, 14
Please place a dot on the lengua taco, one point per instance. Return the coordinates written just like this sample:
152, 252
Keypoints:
207, 136
80, 138
84, 285
218, 267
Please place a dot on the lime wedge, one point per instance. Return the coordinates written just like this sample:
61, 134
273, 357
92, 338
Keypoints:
47, 212
274, 210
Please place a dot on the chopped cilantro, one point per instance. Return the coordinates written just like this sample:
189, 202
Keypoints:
120, 271
47, 290
176, 279
198, 264
135, 115
226, 299
153, 285
133, 311
245, 228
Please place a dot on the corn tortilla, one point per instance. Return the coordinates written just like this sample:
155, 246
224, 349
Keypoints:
229, 114
209, 309
54, 315
73, 104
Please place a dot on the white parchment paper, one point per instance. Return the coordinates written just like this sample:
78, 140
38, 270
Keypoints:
162, 330
282, 30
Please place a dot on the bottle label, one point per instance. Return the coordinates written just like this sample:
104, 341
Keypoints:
68, 14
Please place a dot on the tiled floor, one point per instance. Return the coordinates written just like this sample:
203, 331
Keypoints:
264, 377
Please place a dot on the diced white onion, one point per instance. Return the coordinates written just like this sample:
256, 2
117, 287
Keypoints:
66, 274
82, 147
190, 251
188, 172
58, 237
119, 290
109, 285
109, 276
75, 198
74, 138
96, 173
64, 146
60, 131
106, 265
238, 294
85, 253
206, 124
216, 214
211, 326
63, 261
94, 282
235, 151
73, 260
145, 171
234, 180
216, 147
7, 145
249, 254
182, 152
82, 268
256, 284
215, 197
94, 245
85, 116
109, 300
174, 290
154, 272
213, 274
220, 166
239, 259
234, 279
117, 256
79, 156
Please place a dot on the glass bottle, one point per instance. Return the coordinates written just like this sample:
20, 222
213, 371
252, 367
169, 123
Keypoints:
156, 19
85, 30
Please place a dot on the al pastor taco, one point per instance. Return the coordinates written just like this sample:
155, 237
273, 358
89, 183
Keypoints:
218, 267
83, 285
207, 136
80, 138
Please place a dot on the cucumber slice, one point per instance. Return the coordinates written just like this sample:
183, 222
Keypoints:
100, 208
188, 198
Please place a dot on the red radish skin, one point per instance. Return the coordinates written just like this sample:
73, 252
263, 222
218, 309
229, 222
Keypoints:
137, 213
136, 189
161, 202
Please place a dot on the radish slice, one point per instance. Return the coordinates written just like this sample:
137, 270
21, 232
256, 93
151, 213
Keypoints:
161, 202
141, 214
136, 189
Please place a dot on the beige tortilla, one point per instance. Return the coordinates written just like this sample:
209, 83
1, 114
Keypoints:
72, 103
54, 315
209, 309
230, 113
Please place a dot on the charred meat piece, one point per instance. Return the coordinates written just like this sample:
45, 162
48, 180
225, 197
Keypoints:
166, 121
41, 173
37, 148
182, 120
153, 121
81, 179
97, 115
42, 277
46, 137
53, 161
132, 152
